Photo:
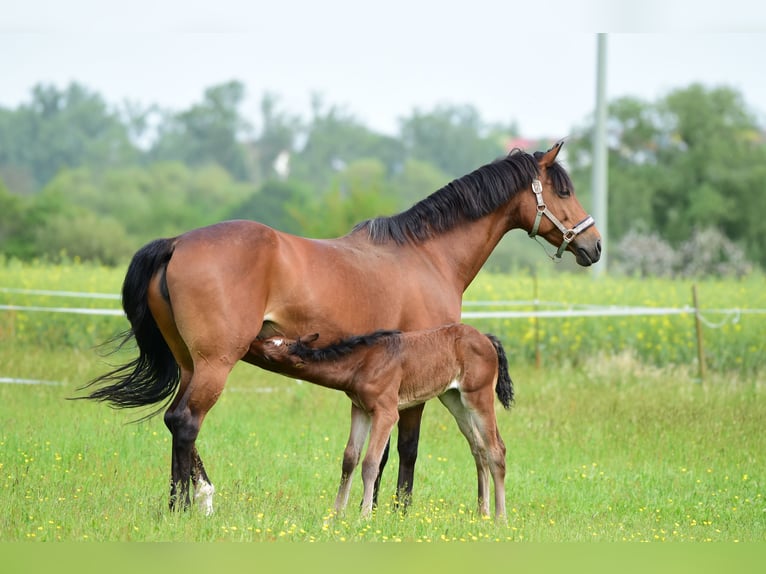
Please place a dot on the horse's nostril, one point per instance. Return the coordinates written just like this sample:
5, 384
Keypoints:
598, 247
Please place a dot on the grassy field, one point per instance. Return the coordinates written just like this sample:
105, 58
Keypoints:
615, 451
609, 441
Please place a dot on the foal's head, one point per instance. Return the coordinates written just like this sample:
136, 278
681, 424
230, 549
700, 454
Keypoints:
282, 351
555, 200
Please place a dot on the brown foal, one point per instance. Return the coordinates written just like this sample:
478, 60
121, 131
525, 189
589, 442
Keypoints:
387, 371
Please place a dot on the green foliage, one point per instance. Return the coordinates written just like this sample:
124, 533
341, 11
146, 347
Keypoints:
272, 204
208, 133
358, 193
60, 129
335, 139
85, 236
693, 159
416, 181
454, 139
707, 253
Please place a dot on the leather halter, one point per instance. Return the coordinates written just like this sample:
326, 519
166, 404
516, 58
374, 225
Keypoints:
542, 209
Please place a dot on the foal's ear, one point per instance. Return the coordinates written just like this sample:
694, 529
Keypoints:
550, 156
310, 338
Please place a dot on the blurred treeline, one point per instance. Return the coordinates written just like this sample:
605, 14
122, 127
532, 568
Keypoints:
83, 178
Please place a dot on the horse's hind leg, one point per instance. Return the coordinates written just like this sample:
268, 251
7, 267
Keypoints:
407, 445
203, 488
184, 419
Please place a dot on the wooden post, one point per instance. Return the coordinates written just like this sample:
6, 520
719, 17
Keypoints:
698, 324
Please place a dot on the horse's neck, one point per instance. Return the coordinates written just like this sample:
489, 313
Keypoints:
463, 250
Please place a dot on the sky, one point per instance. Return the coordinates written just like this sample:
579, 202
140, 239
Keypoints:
532, 63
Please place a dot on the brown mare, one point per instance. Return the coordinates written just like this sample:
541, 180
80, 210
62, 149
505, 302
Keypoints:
386, 371
197, 302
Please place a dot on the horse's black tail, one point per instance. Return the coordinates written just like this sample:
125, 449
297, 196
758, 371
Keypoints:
504, 385
153, 376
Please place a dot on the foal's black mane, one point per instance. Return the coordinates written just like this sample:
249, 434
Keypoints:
343, 347
465, 199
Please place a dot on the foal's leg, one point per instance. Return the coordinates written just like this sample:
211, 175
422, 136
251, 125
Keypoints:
383, 421
481, 409
360, 428
453, 402
383, 461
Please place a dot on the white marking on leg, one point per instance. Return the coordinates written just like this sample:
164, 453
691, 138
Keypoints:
203, 495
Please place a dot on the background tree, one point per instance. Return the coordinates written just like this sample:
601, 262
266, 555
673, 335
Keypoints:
454, 139
358, 192
209, 132
692, 161
335, 139
279, 133
60, 129
686, 162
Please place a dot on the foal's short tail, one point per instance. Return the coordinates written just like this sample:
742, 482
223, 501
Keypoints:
153, 376
504, 386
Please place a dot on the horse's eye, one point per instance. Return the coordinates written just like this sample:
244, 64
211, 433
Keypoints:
564, 193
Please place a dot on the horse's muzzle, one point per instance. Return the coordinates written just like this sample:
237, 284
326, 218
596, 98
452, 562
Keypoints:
587, 254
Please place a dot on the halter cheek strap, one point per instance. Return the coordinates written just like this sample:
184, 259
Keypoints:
542, 209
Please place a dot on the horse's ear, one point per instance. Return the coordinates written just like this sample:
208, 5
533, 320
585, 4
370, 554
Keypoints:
550, 156
310, 338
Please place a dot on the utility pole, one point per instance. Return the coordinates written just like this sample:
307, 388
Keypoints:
600, 160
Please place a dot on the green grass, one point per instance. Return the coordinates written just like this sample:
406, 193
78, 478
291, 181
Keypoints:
611, 451
734, 345
614, 439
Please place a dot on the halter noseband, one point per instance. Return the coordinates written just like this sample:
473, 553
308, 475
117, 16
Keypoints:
542, 209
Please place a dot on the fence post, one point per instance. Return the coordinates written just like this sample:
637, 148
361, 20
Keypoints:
698, 325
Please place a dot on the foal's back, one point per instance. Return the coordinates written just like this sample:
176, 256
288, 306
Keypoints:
455, 356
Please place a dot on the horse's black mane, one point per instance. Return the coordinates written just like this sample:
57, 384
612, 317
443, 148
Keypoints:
343, 347
465, 199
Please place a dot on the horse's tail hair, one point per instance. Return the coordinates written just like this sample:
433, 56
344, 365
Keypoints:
153, 376
504, 385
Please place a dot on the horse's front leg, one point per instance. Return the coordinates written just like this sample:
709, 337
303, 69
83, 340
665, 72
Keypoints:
409, 435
